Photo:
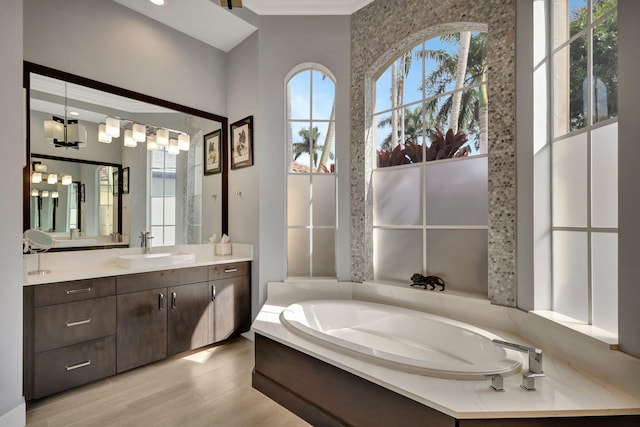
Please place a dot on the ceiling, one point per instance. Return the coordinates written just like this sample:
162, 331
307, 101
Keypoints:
207, 21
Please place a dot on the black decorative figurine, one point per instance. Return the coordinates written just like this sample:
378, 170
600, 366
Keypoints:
424, 281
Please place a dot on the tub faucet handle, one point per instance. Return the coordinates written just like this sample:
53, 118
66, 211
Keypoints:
497, 382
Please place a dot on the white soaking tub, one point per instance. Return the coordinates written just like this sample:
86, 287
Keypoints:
402, 339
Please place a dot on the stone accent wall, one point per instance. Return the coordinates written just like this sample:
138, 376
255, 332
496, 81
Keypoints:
379, 33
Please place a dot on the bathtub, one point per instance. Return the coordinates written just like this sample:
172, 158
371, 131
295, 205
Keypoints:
402, 339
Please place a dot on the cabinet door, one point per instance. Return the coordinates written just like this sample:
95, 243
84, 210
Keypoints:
142, 328
188, 324
232, 307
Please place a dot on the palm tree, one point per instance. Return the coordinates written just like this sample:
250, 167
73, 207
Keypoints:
461, 71
308, 145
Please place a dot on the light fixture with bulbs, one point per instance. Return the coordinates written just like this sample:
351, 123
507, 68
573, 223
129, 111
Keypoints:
36, 177
67, 179
136, 132
63, 132
52, 178
173, 147
102, 134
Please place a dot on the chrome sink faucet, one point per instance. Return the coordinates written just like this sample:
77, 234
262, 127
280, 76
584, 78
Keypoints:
145, 241
535, 362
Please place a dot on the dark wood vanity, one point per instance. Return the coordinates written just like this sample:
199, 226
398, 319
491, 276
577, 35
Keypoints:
76, 332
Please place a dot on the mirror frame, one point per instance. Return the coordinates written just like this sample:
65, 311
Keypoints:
117, 227
30, 67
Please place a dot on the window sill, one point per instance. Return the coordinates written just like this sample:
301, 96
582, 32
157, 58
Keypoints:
598, 334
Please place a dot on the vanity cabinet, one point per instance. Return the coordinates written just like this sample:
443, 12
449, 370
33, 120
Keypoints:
69, 334
80, 331
230, 289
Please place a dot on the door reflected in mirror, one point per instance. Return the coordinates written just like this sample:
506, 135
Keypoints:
87, 132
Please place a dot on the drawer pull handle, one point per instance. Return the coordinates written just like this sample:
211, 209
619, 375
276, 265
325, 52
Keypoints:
79, 322
79, 365
213, 292
160, 301
230, 270
79, 291
173, 299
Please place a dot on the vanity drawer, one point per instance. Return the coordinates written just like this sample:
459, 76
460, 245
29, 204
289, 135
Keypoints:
65, 324
77, 290
67, 367
224, 271
160, 279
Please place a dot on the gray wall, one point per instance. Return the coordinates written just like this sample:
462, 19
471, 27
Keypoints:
283, 42
11, 163
628, 178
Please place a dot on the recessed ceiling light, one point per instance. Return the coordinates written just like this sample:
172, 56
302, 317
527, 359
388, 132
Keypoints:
158, 2
74, 113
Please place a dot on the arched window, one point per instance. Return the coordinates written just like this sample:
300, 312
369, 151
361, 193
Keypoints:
311, 178
428, 118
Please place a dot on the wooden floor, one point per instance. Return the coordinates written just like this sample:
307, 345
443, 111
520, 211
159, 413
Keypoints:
210, 387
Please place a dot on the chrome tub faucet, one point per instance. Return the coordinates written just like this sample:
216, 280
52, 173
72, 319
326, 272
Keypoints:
535, 363
145, 241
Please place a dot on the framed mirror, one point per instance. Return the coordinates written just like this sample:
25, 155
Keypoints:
118, 163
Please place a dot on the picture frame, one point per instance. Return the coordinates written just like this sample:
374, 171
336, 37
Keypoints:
213, 152
116, 182
125, 180
242, 143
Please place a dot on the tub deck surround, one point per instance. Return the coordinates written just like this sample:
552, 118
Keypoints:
78, 265
564, 392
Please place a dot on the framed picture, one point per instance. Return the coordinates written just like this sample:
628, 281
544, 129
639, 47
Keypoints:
116, 182
213, 152
242, 143
125, 180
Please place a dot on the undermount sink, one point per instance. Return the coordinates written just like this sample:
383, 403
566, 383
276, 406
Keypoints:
74, 242
155, 259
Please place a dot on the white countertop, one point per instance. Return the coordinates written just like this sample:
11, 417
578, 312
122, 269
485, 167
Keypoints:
565, 391
78, 265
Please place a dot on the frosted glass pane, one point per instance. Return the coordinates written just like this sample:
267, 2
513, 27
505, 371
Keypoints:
324, 200
298, 200
397, 196
570, 274
169, 236
397, 254
169, 211
158, 236
570, 182
604, 270
298, 258
324, 252
604, 176
157, 215
459, 257
457, 192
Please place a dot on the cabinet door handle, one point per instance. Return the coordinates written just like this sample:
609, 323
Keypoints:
160, 301
78, 323
78, 291
79, 365
213, 292
173, 300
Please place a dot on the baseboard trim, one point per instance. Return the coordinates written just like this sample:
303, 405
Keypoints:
17, 417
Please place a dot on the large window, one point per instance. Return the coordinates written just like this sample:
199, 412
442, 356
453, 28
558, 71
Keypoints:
430, 121
581, 54
163, 198
105, 209
311, 179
